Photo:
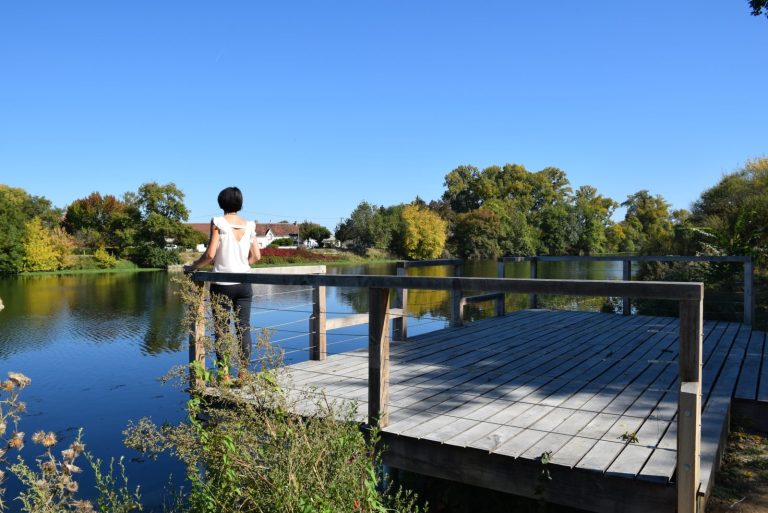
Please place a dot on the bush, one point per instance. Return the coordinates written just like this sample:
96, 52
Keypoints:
152, 255
103, 259
287, 241
258, 455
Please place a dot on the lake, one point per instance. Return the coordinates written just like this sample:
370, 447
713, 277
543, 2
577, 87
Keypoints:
95, 346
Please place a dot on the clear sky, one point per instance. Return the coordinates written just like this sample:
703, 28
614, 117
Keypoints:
311, 107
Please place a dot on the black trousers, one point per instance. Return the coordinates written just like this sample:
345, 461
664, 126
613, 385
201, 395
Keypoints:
240, 296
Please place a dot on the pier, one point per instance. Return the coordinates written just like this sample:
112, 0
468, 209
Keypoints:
623, 412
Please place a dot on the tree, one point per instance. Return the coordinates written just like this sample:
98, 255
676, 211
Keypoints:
39, 250
17, 208
592, 216
101, 221
424, 232
732, 215
318, 233
648, 223
368, 226
161, 211
758, 6
476, 234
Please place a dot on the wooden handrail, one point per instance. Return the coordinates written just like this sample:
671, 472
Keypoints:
644, 289
689, 295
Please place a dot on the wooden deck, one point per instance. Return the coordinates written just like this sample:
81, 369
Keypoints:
597, 392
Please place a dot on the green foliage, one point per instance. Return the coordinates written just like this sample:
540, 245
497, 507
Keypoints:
17, 208
424, 233
284, 241
368, 226
758, 6
153, 255
98, 220
261, 457
103, 259
592, 216
308, 230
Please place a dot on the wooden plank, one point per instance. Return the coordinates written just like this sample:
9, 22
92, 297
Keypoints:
750, 368
641, 289
749, 293
196, 342
688, 446
318, 349
626, 302
762, 392
691, 339
601, 452
378, 357
400, 324
632, 457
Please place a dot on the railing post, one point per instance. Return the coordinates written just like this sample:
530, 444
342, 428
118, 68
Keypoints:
500, 306
533, 299
749, 294
318, 349
456, 310
626, 302
196, 345
378, 357
689, 406
400, 324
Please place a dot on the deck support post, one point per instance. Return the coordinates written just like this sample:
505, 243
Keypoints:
456, 310
533, 299
400, 324
196, 336
626, 302
318, 349
378, 357
689, 405
749, 298
500, 303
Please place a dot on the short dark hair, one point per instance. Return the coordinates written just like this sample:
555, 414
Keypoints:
231, 199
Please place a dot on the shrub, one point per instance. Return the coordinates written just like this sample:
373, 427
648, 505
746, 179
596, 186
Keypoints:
286, 241
103, 259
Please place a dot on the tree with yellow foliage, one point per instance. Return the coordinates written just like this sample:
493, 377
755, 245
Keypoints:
424, 232
42, 252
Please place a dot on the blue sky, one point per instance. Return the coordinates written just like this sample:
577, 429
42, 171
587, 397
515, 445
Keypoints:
311, 107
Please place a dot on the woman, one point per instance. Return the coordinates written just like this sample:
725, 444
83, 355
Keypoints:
232, 248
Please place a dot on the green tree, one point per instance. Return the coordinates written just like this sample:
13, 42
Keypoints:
424, 232
732, 216
648, 223
476, 234
161, 212
368, 226
17, 208
317, 232
592, 217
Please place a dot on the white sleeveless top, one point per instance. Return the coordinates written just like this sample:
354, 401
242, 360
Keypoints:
232, 254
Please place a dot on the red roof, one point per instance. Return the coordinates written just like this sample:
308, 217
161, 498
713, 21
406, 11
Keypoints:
278, 229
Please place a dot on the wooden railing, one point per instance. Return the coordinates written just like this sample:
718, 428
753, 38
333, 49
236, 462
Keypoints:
689, 296
746, 261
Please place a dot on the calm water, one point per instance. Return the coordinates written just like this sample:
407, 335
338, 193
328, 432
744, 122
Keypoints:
95, 346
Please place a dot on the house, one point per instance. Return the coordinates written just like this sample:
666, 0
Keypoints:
265, 232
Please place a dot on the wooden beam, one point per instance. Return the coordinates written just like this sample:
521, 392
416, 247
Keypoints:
640, 289
533, 298
457, 318
400, 324
688, 446
643, 258
196, 337
691, 339
749, 295
318, 349
626, 302
501, 301
378, 357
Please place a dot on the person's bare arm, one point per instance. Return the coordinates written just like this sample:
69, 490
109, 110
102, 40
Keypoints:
210, 252
254, 255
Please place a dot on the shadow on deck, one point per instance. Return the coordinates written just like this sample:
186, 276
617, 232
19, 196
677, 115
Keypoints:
594, 395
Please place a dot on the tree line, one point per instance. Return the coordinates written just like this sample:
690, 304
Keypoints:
36, 236
508, 210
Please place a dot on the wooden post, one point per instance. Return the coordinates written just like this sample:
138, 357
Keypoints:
456, 318
500, 306
627, 276
318, 349
378, 357
749, 294
400, 324
533, 299
196, 345
689, 406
